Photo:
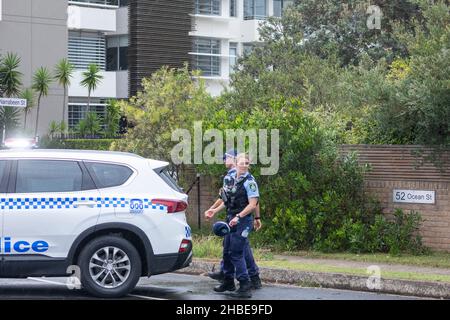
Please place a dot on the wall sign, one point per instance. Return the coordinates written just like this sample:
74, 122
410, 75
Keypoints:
414, 196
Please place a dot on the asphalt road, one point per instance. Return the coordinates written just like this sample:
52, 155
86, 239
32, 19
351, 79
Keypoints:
176, 287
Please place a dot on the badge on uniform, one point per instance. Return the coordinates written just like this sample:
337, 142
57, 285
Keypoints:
252, 186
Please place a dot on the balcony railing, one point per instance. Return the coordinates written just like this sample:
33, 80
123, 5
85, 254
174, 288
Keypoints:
97, 3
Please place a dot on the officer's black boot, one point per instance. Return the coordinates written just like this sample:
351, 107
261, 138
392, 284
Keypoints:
256, 282
219, 276
227, 285
244, 290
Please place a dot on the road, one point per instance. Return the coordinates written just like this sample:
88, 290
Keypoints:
176, 287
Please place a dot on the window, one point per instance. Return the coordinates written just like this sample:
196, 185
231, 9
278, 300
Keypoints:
209, 7
117, 53
123, 3
48, 176
248, 48
78, 110
255, 9
108, 175
86, 48
279, 6
233, 55
233, 8
207, 56
3, 179
169, 179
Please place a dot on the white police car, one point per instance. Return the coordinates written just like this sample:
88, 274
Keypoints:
116, 216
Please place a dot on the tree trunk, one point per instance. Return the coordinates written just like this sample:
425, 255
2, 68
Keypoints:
64, 105
37, 116
25, 122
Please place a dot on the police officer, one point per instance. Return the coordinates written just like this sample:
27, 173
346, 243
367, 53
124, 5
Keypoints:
240, 201
228, 182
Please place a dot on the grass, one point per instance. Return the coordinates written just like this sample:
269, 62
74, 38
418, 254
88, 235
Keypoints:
354, 271
208, 246
433, 259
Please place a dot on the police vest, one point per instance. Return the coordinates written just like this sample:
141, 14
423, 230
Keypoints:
236, 199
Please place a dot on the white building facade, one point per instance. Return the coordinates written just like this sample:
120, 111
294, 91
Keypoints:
97, 34
222, 31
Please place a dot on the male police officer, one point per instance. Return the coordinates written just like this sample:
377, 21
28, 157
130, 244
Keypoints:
240, 201
228, 182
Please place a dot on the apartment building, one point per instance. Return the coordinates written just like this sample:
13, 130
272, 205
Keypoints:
222, 31
128, 40
97, 34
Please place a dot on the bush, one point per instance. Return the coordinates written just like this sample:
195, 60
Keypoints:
316, 200
80, 144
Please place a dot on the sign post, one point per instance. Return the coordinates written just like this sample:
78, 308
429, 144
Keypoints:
14, 103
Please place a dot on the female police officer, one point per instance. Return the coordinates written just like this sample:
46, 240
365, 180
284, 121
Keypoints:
240, 201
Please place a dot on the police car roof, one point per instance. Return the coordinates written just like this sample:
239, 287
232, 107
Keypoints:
107, 156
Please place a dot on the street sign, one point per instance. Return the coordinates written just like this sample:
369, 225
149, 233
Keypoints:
414, 196
13, 102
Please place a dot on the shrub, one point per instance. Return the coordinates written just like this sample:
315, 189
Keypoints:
80, 144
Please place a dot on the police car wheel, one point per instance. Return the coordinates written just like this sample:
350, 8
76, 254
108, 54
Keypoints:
110, 267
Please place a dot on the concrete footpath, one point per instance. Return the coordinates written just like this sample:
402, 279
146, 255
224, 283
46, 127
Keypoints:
337, 280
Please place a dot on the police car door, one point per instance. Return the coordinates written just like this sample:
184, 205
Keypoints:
49, 204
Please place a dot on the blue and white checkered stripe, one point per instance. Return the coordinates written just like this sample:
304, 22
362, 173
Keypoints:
70, 203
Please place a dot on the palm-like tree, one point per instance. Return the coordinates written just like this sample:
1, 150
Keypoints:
10, 76
27, 94
91, 79
63, 74
10, 83
41, 83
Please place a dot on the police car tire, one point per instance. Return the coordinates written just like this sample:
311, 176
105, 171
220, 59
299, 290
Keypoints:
92, 247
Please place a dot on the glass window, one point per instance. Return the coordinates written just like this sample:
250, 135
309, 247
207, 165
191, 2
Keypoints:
210, 7
3, 181
255, 9
207, 56
78, 110
48, 176
123, 3
248, 48
233, 8
233, 55
117, 53
109, 175
279, 6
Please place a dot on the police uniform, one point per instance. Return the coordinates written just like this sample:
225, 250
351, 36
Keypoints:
228, 184
236, 244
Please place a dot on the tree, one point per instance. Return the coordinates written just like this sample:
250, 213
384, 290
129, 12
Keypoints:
170, 99
63, 74
11, 77
112, 118
90, 125
91, 79
10, 83
41, 83
27, 94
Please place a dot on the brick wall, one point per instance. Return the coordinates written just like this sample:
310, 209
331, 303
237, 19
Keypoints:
397, 167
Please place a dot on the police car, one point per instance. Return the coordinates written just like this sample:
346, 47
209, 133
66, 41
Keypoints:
115, 216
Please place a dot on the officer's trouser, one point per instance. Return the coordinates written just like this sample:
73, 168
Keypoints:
252, 267
235, 247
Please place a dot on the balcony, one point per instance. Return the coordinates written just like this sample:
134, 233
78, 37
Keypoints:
110, 4
106, 89
90, 18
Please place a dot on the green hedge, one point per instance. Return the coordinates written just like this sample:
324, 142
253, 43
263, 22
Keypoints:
80, 144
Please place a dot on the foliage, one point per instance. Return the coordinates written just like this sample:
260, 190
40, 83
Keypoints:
63, 73
89, 126
78, 144
41, 83
10, 76
170, 99
316, 200
27, 94
112, 118
91, 80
